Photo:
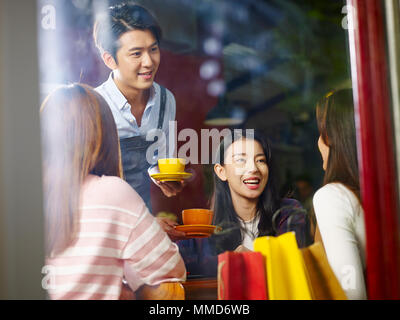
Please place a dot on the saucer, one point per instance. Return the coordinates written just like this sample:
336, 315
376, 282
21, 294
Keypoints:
178, 176
197, 230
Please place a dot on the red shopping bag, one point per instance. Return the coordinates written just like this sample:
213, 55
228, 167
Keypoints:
241, 276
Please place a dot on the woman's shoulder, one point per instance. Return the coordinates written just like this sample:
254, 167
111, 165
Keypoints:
290, 202
289, 205
105, 182
335, 192
336, 197
292, 218
110, 190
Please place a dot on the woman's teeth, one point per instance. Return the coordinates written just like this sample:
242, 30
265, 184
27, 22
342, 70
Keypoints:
252, 181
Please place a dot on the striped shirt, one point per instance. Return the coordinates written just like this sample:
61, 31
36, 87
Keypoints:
117, 238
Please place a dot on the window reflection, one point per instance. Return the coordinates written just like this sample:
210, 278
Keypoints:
271, 60
239, 64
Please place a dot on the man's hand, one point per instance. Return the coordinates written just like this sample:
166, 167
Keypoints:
171, 188
168, 226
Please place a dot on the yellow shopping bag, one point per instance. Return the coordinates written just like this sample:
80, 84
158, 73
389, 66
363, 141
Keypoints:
286, 273
322, 280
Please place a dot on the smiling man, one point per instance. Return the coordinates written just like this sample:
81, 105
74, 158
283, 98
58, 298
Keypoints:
128, 38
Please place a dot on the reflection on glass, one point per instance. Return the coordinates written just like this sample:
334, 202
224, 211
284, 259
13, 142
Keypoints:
251, 64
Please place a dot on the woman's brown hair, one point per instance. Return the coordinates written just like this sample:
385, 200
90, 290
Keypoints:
336, 125
79, 137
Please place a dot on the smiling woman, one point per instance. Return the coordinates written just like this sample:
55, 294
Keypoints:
246, 172
246, 200
246, 203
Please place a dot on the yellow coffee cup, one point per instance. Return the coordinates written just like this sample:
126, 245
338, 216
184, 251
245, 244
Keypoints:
171, 165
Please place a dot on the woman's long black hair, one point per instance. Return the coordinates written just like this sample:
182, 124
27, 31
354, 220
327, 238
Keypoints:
224, 212
336, 124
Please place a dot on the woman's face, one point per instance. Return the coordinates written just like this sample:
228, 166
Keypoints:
324, 150
245, 169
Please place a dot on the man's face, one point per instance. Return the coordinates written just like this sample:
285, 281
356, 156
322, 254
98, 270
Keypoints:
138, 59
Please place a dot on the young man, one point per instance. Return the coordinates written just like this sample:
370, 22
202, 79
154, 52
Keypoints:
128, 39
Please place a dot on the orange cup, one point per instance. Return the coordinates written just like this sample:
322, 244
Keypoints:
197, 216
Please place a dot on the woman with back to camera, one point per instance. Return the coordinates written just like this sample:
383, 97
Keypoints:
98, 229
337, 204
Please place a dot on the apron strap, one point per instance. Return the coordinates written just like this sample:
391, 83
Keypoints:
162, 107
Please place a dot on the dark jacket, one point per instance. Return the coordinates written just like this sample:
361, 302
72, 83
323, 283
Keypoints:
201, 255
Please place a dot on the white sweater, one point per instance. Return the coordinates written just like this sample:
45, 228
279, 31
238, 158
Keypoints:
340, 220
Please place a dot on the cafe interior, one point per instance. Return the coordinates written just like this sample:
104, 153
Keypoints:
248, 64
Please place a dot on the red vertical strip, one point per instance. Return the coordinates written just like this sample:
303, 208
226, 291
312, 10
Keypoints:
377, 157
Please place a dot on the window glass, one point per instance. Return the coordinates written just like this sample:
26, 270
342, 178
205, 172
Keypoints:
247, 64
270, 61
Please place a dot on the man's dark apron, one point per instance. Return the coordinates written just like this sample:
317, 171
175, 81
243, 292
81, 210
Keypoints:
134, 162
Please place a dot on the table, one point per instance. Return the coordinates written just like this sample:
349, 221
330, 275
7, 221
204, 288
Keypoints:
201, 289
192, 289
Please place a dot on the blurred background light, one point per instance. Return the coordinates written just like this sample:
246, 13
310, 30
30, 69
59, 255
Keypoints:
216, 87
209, 69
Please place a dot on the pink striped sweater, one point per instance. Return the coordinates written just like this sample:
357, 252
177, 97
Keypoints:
118, 237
